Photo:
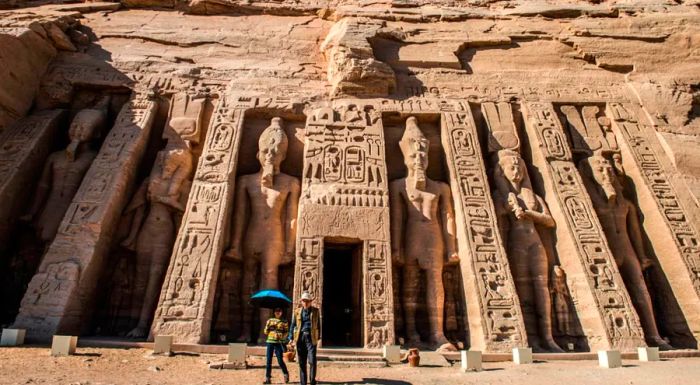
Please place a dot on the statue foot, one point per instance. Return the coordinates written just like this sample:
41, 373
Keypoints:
446, 347
553, 347
660, 343
242, 338
137, 333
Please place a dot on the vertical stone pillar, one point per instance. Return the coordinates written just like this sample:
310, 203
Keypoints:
186, 300
24, 147
345, 195
666, 222
493, 309
62, 291
601, 300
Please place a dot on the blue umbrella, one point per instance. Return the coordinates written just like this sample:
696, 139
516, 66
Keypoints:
270, 299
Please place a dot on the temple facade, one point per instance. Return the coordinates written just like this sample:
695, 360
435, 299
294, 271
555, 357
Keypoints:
446, 177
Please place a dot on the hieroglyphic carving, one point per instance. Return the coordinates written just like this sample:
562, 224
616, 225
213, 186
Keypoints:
345, 194
621, 324
23, 148
498, 319
685, 234
84, 235
185, 306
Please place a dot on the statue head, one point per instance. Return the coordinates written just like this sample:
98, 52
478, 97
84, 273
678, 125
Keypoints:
272, 149
414, 146
599, 170
84, 127
511, 167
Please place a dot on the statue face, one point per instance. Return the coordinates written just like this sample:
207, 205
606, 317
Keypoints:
272, 155
85, 125
513, 168
603, 175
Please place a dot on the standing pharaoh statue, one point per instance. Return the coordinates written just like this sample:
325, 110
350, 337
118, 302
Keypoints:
63, 173
520, 211
620, 222
264, 219
423, 235
157, 208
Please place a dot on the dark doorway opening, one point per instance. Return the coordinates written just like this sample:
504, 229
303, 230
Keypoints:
342, 295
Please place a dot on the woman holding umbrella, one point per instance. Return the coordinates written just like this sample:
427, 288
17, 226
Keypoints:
276, 330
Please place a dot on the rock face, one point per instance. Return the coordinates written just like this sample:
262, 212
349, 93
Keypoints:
490, 174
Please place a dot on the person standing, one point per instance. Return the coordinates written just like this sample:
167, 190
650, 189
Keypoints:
305, 333
276, 330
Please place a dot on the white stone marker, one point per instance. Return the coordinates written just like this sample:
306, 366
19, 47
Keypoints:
63, 345
236, 353
163, 345
392, 354
522, 356
12, 337
609, 359
648, 354
471, 360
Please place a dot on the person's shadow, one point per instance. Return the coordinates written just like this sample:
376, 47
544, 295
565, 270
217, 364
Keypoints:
370, 381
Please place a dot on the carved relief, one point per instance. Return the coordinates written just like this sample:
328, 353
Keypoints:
499, 316
596, 258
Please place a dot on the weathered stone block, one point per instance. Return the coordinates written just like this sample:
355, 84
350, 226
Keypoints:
163, 345
471, 360
392, 354
648, 354
609, 359
522, 356
237, 353
12, 337
63, 345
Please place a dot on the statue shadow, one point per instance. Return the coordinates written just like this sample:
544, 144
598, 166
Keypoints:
372, 381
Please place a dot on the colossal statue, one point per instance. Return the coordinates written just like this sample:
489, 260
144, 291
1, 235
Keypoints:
264, 220
156, 209
63, 173
520, 211
423, 235
620, 222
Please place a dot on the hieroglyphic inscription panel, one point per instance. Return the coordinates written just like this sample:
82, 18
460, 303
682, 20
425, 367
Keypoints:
685, 233
66, 280
496, 323
23, 148
616, 313
186, 301
345, 195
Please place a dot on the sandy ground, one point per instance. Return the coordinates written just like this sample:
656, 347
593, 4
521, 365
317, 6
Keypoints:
31, 365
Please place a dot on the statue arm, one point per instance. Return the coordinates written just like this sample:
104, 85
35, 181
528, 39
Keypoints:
42, 190
449, 230
291, 218
502, 218
634, 230
543, 217
175, 188
240, 207
397, 219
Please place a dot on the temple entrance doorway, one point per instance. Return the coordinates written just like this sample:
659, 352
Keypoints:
342, 295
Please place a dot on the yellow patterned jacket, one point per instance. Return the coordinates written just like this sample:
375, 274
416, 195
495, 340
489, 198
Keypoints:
276, 330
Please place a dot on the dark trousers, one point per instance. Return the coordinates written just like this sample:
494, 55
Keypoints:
307, 352
277, 349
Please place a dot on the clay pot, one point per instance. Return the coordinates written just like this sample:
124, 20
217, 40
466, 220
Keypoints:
413, 357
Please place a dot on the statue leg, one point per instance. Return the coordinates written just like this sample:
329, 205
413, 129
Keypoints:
249, 285
631, 272
543, 302
520, 267
143, 266
435, 299
269, 279
158, 264
411, 279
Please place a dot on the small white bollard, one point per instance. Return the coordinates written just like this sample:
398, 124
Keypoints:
63, 345
163, 345
236, 353
471, 360
648, 354
609, 359
12, 337
392, 354
522, 356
